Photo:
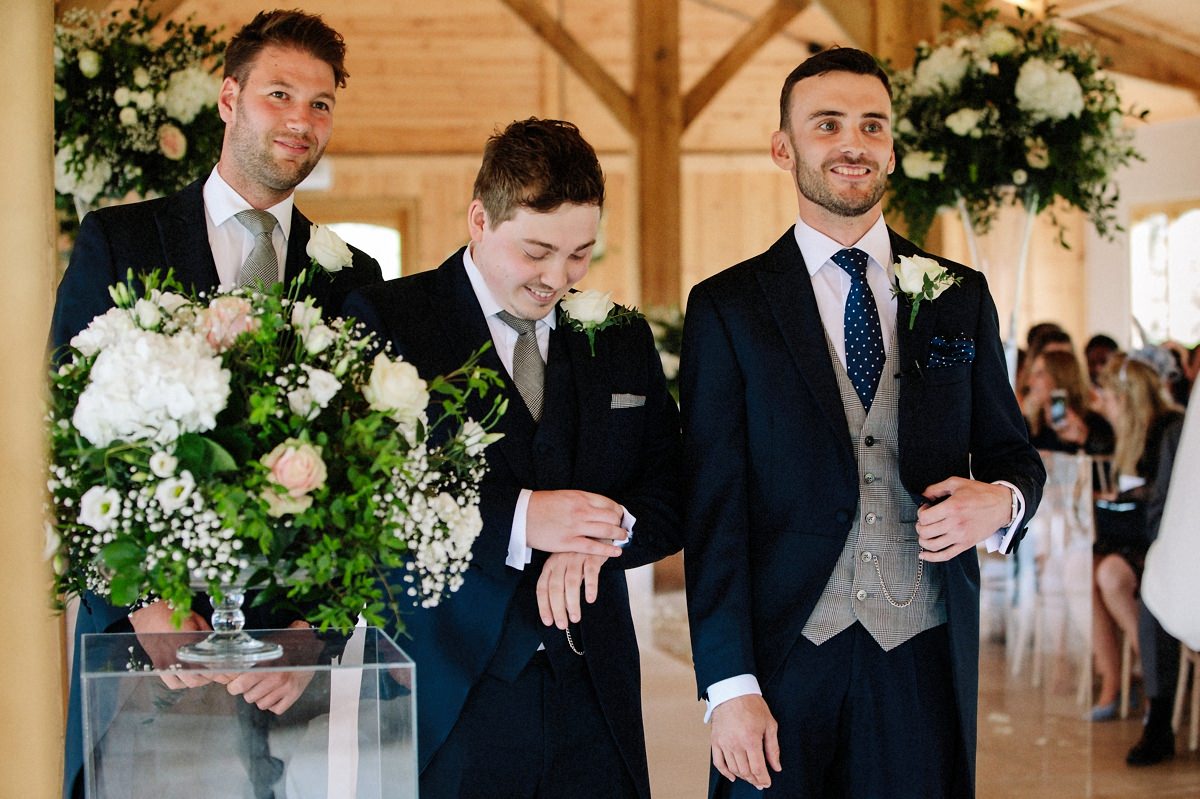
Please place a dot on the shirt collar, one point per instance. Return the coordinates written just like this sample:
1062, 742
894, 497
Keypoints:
483, 293
817, 248
222, 202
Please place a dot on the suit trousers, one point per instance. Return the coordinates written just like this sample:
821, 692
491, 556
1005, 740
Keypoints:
861, 723
542, 735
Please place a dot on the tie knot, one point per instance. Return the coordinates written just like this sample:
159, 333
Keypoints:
522, 326
853, 260
257, 222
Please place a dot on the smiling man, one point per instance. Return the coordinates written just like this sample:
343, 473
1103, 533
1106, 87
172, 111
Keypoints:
523, 689
843, 458
237, 226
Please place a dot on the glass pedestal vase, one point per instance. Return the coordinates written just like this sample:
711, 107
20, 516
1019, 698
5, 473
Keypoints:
156, 728
229, 643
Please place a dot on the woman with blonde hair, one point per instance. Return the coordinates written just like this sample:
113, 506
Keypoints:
1146, 424
1056, 407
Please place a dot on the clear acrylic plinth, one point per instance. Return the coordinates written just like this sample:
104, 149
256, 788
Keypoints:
351, 732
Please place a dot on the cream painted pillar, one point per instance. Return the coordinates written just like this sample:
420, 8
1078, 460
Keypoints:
31, 702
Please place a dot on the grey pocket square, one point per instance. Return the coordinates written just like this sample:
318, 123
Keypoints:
627, 401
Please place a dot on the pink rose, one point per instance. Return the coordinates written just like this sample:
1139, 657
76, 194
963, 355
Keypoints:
172, 142
225, 319
295, 466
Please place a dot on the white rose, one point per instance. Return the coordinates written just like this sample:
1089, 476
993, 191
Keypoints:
163, 464
327, 249
318, 338
965, 121
174, 492
396, 388
89, 63
323, 385
147, 313
911, 273
905, 126
169, 301
122, 96
128, 116
60, 93
999, 41
590, 307
920, 165
1020, 177
144, 100
99, 507
141, 77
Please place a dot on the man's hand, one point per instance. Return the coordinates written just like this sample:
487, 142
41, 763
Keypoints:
156, 618
745, 740
558, 586
574, 521
275, 691
969, 513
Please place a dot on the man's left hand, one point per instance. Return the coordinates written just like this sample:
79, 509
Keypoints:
563, 574
969, 512
275, 691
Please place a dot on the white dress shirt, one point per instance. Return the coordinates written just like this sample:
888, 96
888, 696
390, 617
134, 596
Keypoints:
504, 339
229, 239
831, 285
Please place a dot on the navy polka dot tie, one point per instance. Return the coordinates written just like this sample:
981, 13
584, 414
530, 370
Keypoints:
864, 338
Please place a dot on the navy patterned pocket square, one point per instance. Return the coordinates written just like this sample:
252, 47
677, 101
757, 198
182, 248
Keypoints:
944, 352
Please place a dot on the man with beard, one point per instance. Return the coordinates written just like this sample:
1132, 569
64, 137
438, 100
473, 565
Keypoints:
845, 452
236, 227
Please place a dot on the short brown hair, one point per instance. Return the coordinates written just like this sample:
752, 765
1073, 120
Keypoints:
537, 164
835, 59
289, 29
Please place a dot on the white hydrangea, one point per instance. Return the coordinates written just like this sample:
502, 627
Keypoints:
104, 331
943, 70
1046, 92
921, 165
188, 92
998, 40
151, 387
85, 181
965, 120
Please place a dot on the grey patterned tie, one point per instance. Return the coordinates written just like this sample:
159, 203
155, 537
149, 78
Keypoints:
262, 264
529, 371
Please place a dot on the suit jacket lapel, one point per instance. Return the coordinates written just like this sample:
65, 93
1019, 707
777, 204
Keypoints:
183, 234
913, 344
789, 294
297, 257
464, 330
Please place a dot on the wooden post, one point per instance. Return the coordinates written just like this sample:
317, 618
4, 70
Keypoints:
659, 108
31, 674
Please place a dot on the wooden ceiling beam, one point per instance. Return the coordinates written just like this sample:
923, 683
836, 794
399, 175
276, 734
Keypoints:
772, 21
1133, 53
568, 48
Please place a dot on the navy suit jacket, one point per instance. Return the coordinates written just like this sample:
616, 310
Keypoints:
772, 484
168, 232
630, 455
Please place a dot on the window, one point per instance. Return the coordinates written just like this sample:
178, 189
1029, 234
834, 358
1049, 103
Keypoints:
1165, 278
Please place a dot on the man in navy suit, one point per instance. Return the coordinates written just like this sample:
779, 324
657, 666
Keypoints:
522, 692
282, 71
843, 459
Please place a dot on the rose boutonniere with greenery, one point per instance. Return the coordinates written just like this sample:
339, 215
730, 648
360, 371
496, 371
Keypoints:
591, 311
327, 250
919, 278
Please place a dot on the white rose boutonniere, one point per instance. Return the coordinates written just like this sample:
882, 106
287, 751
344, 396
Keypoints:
920, 278
327, 250
591, 311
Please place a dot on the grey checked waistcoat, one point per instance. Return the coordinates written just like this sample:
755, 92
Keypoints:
883, 533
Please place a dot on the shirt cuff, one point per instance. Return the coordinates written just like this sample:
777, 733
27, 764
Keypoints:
628, 520
518, 552
1001, 540
729, 688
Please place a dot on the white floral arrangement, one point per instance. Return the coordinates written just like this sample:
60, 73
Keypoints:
666, 325
998, 113
921, 279
197, 437
134, 105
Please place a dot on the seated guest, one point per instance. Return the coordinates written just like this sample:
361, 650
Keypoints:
1133, 399
1056, 408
